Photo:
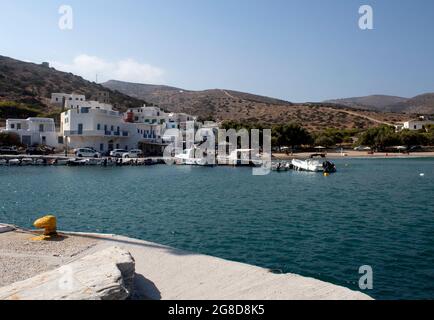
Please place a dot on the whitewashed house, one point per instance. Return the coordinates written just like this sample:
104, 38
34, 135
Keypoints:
95, 126
34, 131
421, 123
67, 100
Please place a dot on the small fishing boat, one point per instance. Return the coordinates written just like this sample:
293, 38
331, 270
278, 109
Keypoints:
14, 162
26, 162
77, 162
92, 161
59, 162
40, 162
281, 166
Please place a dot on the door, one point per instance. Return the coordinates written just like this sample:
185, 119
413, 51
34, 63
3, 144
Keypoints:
26, 140
80, 128
110, 145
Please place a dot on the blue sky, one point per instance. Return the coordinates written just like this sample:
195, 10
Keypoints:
299, 50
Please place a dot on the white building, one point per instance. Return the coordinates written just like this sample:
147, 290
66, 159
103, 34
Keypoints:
418, 124
99, 128
96, 125
67, 100
150, 115
34, 131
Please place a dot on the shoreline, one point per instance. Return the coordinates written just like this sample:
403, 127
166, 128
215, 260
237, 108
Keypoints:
355, 155
166, 273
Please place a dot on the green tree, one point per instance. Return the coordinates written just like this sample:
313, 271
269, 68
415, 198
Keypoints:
324, 140
380, 137
292, 135
412, 138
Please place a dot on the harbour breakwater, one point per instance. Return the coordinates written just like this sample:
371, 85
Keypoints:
146, 271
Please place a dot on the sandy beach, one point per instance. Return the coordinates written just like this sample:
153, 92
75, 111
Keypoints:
348, 154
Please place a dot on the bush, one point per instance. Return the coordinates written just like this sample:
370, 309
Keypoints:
9, 109
9, 139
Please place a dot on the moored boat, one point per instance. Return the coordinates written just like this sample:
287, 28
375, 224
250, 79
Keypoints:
187, 157
281, 166
314, 165
14, 162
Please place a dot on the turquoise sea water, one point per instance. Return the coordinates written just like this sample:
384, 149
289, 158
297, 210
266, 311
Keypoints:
377, 212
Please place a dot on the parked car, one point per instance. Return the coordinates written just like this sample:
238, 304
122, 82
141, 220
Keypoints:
87, 153
135, 153
8, 151
118, 153
415, 148
362, 148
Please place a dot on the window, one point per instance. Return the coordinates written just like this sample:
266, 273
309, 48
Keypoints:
18, 126
98, 127
101, 147
12, 126
41, 128
60, 140
112, 128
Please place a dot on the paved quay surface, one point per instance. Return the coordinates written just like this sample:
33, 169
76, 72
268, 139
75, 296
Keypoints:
163, 272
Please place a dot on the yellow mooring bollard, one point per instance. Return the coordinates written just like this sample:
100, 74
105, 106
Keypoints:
49, 224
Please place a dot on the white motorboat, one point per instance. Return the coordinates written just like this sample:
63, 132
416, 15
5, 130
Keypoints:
187, 157
314, 165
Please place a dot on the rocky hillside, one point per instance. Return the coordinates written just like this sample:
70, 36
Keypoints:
25, 89
218, 104
422, 104
28, 86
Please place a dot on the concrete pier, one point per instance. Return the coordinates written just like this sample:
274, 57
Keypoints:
165, 273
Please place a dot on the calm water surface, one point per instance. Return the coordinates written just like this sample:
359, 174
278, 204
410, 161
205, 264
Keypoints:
377, 212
